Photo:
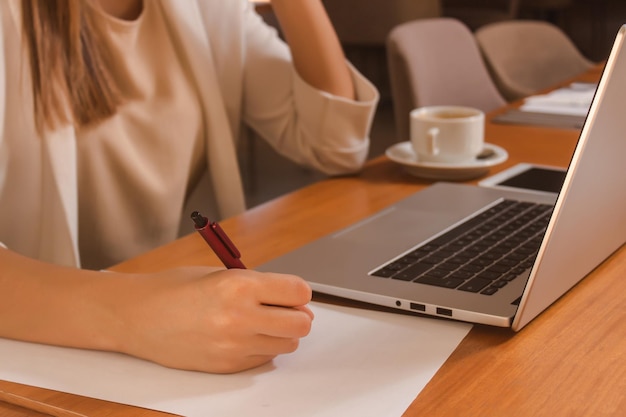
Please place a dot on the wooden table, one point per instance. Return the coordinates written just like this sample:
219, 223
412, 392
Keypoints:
569, 361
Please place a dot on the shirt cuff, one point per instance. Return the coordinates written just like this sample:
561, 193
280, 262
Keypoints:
365, 93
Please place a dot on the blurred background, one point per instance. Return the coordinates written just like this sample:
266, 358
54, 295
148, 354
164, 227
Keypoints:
363, 27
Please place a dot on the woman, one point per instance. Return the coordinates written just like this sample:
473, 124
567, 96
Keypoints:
111, 111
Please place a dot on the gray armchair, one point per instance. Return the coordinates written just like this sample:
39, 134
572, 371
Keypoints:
437, 62
527, 56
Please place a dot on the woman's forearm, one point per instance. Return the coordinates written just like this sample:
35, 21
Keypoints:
51, 304
317, 53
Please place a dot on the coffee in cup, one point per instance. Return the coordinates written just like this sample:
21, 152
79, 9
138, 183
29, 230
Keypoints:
447, 134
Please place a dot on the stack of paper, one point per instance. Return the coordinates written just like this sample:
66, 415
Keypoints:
565, 107
573, 100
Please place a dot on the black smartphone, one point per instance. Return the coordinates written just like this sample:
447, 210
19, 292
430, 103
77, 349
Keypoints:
529, 177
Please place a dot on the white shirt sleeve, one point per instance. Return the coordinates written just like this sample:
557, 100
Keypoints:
309, 126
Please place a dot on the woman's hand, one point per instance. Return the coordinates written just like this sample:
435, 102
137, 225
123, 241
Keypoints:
223, 322
195, 318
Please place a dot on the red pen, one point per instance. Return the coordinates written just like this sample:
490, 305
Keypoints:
217, 239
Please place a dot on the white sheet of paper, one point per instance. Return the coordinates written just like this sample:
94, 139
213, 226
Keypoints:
355, 362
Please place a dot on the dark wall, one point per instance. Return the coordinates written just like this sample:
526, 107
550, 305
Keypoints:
591, 24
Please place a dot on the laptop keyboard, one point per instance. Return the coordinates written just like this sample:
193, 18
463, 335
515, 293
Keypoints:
482, 254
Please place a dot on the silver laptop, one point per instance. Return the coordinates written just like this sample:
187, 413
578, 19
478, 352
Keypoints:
432, 253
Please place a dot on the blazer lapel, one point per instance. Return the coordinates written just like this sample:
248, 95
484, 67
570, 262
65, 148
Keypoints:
60, 198
188, 31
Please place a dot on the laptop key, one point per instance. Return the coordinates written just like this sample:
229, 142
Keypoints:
489, 275
475, 284
500, 283
384, 273
489, 291
464, 275
410, 273
448, 282
438, 273
510, 277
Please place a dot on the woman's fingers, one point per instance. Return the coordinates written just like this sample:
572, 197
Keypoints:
283, 290
307, 310
283, 322
273, 346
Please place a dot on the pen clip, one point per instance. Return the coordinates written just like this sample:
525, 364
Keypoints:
221, 235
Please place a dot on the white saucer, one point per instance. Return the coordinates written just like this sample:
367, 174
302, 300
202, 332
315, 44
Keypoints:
402, 153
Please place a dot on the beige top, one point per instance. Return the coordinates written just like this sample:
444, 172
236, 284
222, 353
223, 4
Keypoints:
135, 168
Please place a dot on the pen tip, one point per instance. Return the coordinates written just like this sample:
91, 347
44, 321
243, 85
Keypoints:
199, 219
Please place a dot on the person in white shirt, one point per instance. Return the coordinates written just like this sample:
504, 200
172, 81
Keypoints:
110, 113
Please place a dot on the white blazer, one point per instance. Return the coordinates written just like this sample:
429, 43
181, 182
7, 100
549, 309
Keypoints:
243, 74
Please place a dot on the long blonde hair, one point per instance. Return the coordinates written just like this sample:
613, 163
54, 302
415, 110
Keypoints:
71, 80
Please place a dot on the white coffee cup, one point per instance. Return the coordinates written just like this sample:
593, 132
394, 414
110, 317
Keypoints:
447, 134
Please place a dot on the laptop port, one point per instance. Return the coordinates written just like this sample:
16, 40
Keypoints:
418, 307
